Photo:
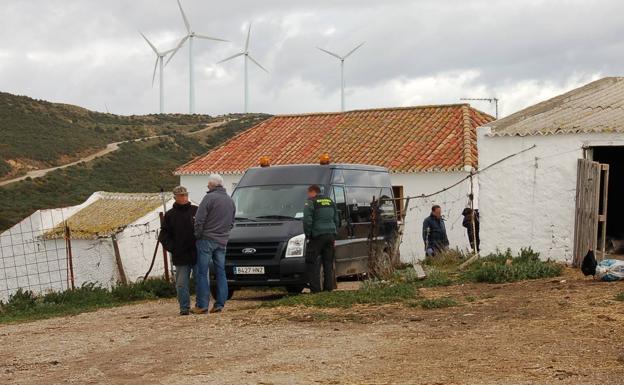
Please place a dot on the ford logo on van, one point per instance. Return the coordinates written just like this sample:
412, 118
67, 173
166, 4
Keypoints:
249, 250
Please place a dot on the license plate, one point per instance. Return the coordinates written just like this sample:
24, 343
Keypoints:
249, 270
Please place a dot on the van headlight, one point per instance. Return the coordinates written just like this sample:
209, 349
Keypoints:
296, 246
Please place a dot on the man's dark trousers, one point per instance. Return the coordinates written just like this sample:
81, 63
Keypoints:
320, 249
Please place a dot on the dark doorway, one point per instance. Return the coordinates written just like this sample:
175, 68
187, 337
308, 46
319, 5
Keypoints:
614, 157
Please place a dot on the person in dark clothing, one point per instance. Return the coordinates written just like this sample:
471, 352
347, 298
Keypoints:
176, 236
473, 231
320, 224
434, 232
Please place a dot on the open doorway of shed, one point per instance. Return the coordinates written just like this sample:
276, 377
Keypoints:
614, 157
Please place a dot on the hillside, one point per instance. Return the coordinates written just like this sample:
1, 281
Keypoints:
37, 134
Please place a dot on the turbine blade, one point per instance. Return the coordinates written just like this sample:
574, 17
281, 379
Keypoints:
149, 42
176, 49
155, 67
247, 41
353, 50
209, 37
231, 57
258, 64
330, 53
186, 22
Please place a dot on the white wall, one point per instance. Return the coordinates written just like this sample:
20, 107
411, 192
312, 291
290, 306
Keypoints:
93, 261
453, 202
29, 262
529, 200
136, 246
197, 184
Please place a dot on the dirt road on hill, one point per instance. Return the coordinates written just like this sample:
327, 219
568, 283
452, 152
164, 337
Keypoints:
111, 147
554, 331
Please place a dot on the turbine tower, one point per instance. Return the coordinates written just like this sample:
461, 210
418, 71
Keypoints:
342, 82
190, 36
160, 56
247, 57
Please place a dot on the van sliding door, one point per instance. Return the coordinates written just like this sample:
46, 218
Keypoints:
343, 242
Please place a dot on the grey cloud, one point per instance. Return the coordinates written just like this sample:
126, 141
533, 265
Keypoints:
89, 52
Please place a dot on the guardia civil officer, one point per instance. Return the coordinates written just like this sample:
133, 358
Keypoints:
320, 222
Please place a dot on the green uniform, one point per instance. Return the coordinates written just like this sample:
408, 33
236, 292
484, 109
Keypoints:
320, 222
320, 217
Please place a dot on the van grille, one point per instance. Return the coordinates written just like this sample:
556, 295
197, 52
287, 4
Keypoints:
263, 250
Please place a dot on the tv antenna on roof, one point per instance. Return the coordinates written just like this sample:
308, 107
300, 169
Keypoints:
490, 100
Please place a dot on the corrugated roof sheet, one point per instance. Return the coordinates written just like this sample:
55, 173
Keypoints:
595, 107
108, 215
409, 139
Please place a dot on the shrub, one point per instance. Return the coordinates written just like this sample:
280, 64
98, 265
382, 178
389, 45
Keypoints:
619, 296
21, 300
503, 267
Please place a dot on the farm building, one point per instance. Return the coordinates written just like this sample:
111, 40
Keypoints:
426, 148
112, 238
562, 195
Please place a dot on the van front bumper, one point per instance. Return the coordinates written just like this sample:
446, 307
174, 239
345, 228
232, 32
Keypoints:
288, 272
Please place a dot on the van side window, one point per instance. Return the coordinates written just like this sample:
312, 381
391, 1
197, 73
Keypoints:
339, 200
387, 207
337, 177
359, 201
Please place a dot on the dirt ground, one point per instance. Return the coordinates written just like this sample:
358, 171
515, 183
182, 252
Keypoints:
555, 331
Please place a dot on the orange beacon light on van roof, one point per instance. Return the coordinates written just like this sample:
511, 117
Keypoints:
265, 161
324, 159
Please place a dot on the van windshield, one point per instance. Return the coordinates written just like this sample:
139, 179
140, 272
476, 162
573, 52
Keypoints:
281, 202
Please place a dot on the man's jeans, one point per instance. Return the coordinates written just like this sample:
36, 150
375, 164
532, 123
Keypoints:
210, 253
182, 277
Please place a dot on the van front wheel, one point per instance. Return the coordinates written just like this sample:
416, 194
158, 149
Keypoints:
231, 290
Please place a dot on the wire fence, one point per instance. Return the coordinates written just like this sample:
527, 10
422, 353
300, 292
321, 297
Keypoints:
40, 255
28, 261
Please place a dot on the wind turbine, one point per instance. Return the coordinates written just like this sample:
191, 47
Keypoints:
342, 82
160, 56
247, 57
190, 36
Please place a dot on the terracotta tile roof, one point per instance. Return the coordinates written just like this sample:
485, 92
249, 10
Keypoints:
594, 107
109, 214
409, 139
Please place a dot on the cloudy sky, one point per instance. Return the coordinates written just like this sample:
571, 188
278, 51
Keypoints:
90, 53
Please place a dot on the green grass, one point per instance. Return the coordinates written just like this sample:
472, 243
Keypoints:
372, 292
26, 306
402, 287
619, 296
504, 267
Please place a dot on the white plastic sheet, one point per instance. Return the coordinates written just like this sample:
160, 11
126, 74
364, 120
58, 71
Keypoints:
610, 270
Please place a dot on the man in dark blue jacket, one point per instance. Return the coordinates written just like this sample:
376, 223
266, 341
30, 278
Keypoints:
176, 236
434, 232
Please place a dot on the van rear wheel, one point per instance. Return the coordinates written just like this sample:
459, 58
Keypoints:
294, 289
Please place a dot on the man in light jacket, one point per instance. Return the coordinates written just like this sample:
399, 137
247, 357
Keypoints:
213, 222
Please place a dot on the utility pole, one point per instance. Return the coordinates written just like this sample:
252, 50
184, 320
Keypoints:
490, 100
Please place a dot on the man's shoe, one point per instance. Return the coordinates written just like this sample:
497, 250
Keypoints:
185, 312
199, 310
216, 310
